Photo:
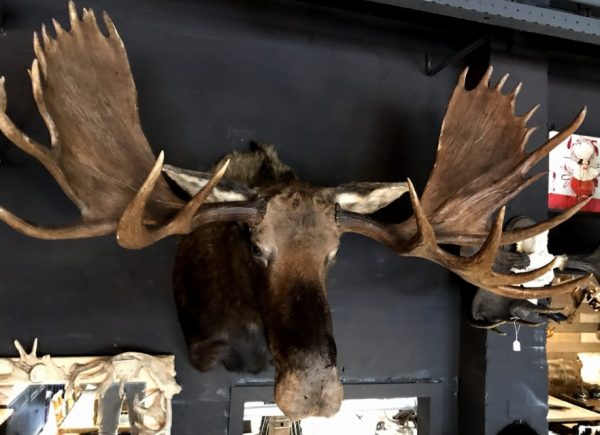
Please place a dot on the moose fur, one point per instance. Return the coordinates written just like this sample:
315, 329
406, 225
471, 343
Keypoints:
244, 293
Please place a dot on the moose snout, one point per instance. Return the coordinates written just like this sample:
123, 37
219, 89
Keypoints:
314, 391
304, 352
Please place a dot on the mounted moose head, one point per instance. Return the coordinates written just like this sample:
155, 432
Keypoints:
252, 263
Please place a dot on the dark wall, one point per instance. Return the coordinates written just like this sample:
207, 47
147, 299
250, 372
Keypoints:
343, 95
516, 382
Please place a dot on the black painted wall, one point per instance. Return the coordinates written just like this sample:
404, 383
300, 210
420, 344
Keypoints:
342, 93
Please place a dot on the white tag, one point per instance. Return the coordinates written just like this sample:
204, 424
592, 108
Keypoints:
516, 346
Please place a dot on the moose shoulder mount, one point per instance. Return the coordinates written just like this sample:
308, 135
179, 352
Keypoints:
256, 239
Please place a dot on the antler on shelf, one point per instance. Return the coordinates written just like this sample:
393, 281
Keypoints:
481, 164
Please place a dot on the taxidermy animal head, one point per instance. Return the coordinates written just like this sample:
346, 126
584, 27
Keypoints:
490, 311
257, 242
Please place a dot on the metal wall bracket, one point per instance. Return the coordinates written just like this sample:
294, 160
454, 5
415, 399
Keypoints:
431, 71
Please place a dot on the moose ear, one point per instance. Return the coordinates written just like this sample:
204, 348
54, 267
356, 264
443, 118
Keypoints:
367, 198
192, 181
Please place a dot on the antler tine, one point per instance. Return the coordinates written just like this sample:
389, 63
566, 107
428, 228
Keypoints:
527, 116
425, 233
541, 292
48, 42
485, 80
501, 82
73, 15
39, 53
75, 231
477, 269
515, 92
131, 231
25, 143
89, 17
484, 259
489, 325
31, 147
38, 96
487, 253
110, 26
3, 101
519, 278
518, 234
526, 137
462, 78
58, 28
542, 151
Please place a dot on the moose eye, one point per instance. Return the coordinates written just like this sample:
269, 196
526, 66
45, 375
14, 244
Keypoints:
256, 251
259, 254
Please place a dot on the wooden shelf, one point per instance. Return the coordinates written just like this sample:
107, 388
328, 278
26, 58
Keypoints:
570, 413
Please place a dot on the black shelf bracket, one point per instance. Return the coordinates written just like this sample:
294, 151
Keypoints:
431, 71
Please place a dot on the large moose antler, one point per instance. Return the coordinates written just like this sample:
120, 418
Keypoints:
85, 93
481, 164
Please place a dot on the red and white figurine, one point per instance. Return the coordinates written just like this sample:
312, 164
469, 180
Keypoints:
574, 173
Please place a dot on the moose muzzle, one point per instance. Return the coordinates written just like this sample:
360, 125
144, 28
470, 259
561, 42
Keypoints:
313, 391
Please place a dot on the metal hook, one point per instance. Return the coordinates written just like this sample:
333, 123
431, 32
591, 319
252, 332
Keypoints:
431, 71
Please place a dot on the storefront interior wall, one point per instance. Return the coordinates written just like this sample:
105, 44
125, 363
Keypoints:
341, 91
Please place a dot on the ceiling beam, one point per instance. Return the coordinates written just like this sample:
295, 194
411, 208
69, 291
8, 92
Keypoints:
508, 14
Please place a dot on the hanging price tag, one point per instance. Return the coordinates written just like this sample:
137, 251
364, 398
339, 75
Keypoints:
516, 346
516, 343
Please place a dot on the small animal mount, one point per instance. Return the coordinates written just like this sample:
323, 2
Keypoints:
589, 263
250, 221
490, 311
585, 263
152, 409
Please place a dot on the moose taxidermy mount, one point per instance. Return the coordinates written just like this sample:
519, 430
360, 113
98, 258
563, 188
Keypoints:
257, 241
